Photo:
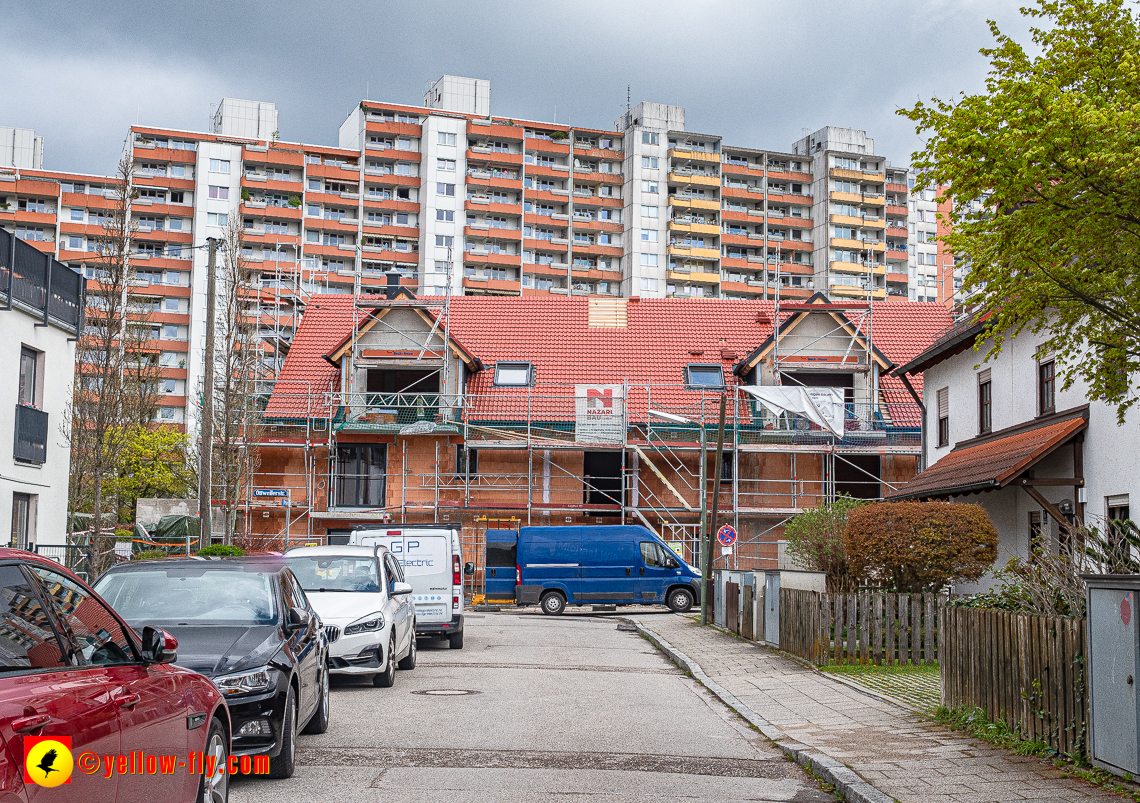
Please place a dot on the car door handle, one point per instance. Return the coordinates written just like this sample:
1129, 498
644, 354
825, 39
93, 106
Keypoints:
627, 571
493, 572
126, 700
642, 571
29, 724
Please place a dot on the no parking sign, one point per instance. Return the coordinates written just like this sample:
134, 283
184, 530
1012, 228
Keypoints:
726, 535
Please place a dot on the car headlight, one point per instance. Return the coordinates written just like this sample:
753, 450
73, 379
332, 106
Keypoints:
255, 680
374, 622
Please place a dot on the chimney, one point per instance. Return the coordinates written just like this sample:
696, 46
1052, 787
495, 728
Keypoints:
393, 286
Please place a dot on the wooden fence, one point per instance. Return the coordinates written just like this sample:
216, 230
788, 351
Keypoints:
1026, 671
861, 628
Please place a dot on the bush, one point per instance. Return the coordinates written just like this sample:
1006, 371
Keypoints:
294, 200
124, 535
221, 551
920, 546
815, 541
149, 554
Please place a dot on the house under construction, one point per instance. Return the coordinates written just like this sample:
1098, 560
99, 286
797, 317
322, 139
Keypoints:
482, 412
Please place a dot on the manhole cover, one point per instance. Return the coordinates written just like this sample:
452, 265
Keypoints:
445, 692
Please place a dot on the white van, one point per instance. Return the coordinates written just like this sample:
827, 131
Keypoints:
432, 559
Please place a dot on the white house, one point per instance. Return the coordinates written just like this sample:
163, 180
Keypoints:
41, 312
1004, 435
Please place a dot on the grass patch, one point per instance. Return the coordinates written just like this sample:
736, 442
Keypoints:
872, 669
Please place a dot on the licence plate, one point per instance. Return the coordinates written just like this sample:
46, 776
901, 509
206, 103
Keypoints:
431, 610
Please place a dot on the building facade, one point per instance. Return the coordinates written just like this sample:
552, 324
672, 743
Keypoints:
41, 312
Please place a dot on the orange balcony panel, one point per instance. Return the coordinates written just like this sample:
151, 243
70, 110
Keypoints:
740, 192
37, 189
544, 245
891, 187
548, 197
547, 145
394, 204
164, 236
395, 155
513, 235
86, 201
790, 245
742, 217
497, 260
406, 232
899, 255
597, 250
896, 231
348, 226
511, 133
333, 172
545, 270
500, 183
164, 182
392, 180
740, 239
400, 129
546, 172
274, 212
794, 200
496, 286
75, 256
794, 292
788, 175
591, 202
273, 156
495, 157
328, 198
600, 153
741, 170
597, 225
898, 278
900, 211
315, 249
595, 273
166, 155
270, 239
290, 187
176, 210
46, 247
38, 218
499, 209
741, 287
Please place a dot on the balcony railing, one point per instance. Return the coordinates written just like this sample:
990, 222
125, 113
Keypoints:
40, 284
31, 435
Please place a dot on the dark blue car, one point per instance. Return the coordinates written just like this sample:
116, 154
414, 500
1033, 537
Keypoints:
605, 565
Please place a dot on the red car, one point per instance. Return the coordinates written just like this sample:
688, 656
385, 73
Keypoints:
140, 729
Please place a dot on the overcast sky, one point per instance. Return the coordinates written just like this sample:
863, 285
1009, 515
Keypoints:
757, 73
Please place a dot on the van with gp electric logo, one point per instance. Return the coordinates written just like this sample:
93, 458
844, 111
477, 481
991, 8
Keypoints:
431, 557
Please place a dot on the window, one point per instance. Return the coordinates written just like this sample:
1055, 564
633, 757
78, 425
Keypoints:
77, 214
28, 640
446, 138
444, 214
447, 165
29, 359
704, 376
359, 476
219, 165
985, 403
514, 374
467, 462
95, 631
169, 385
649, 211
655, 556
944, 417
445, 189
649, 260
219, 193
649, 138
649, 235
217, 219
23, 520
649, 162
177, 197
1046, 388
649, 285
1118, 514
649, 186
444, 241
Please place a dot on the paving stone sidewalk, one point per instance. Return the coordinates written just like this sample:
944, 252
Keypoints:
890, 747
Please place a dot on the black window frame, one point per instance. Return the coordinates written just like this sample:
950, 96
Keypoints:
32, 357
706, 367
985, 407
466, 461
943, 420
1046, 387
514, 364
360, 480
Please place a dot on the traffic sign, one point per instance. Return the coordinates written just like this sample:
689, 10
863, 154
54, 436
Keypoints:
726, 535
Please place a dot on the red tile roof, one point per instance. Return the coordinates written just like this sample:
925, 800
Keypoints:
661, 337
992, 462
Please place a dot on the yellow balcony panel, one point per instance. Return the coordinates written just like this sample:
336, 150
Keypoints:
846, 220
692, 276
869, 175
694, 203
692, 178
839, 172
693, 253
695, 156
874, 200
856, 268
842, 242
874, 223
856, 292
695, 228
849, 197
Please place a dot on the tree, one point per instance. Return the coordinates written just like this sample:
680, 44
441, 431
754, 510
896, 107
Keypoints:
1050, 151
237, 369
153, 462
920, 546
815, 541
116, 384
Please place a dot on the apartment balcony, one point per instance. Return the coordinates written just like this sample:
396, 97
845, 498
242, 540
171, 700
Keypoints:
695, 228
840, 172
692, 276
694, 202
861, 245
858, 269
878, 293
846, 197
898, 211
897, 255
685, 251
42, 286
899, 188
897, 231
681, 152
707, 180
406, 129
481, 285
897, 278
547, 145
30, 444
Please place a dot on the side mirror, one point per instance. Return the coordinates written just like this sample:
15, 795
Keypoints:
401, 589
469, 568
671, 563
158, 646
298, 620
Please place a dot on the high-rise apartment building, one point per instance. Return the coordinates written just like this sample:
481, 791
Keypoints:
20, 147
926, 283
446, 196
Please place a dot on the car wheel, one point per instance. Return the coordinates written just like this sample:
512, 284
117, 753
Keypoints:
386, 678
286, 761
215, 788
409, 660
455, 641
319, 722
680, 600
553, 604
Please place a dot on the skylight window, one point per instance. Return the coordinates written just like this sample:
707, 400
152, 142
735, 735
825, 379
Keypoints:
514, 374
704, 376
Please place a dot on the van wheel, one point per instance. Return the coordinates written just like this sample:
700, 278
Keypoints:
455, 641
553, 603
680, 600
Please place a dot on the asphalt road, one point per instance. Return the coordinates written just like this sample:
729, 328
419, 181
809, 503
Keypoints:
554, 707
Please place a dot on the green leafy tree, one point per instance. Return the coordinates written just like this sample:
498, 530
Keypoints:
1042, 170
815, 541
152, 463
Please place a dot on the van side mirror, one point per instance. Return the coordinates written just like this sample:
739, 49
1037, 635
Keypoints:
671, 563
469, 568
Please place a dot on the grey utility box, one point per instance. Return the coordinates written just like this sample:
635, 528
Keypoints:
1113, 669
774, 580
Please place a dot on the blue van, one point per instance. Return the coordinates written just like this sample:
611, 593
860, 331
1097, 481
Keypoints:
611, 565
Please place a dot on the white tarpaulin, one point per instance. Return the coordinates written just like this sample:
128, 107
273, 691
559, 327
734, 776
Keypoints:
822, 406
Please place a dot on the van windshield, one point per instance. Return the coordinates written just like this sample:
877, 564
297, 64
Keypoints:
332, 573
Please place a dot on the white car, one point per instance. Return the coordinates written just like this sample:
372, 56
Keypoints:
365, 605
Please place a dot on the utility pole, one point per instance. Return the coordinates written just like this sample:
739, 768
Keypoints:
206, 468
706, 563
